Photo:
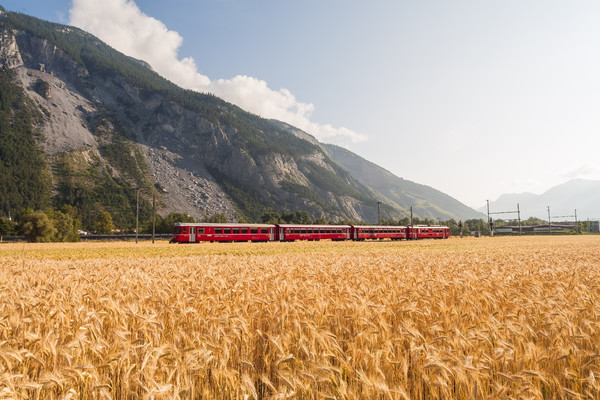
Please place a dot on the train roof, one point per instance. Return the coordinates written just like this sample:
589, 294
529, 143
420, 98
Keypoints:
225, 225
312, 226
380, 226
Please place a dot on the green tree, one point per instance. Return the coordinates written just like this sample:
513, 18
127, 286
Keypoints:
297, 217
6, 227
270, 217
165, 225
37, 227
216, 218
104, 223
321, 221
67, 227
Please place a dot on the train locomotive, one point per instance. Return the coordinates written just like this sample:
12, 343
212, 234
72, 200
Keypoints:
215, 232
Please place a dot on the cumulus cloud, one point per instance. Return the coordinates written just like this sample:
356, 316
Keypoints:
122, 25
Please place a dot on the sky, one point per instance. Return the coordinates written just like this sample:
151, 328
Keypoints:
474, 98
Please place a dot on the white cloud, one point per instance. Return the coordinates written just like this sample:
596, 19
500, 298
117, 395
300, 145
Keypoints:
122, 25
586, 170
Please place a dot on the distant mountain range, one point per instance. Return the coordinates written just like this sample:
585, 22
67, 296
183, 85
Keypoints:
579, 194
88, 127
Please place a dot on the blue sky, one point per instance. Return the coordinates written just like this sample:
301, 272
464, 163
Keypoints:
473, 98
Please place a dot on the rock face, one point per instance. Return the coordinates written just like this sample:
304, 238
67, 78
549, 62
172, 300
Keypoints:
202, 155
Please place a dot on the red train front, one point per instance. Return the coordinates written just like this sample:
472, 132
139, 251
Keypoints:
197, 232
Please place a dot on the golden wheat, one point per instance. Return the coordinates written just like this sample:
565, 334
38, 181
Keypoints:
470, 318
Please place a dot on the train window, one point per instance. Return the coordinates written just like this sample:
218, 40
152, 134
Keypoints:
303, 230
236, 230
227, 230
218, 230
254, 230
309, 231
200, 231
244, 230
264, 230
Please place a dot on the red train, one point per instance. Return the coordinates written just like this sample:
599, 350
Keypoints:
201, 232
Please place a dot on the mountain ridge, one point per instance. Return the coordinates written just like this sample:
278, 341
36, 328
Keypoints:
109, 121
582, 195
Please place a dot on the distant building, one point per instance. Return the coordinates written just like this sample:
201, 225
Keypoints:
556, 227
571, 226
595, 226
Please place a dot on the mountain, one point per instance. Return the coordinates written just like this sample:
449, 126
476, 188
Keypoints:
578, 194
401, 193
97, 127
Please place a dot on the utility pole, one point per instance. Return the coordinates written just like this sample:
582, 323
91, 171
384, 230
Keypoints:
378, 213
137, 213
153, 216
549, 223
519, 217
489, 220
411, 216
576, 224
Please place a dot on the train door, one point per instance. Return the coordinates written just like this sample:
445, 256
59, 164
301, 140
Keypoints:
281, 234
272, 233
192, 234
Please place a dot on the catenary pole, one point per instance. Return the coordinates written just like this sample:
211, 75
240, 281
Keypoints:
137, 213
519, 216
153, 216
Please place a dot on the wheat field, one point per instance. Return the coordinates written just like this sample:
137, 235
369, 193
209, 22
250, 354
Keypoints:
450, 319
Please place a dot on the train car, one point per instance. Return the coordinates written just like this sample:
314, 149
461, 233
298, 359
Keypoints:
215, 232
291, 232
200, 232
427, 232
364, 232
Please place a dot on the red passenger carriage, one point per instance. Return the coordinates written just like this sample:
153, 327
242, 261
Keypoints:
364, 232
290, 232
427, 232
197, 232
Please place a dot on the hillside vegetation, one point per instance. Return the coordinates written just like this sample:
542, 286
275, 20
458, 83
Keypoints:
24, 175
